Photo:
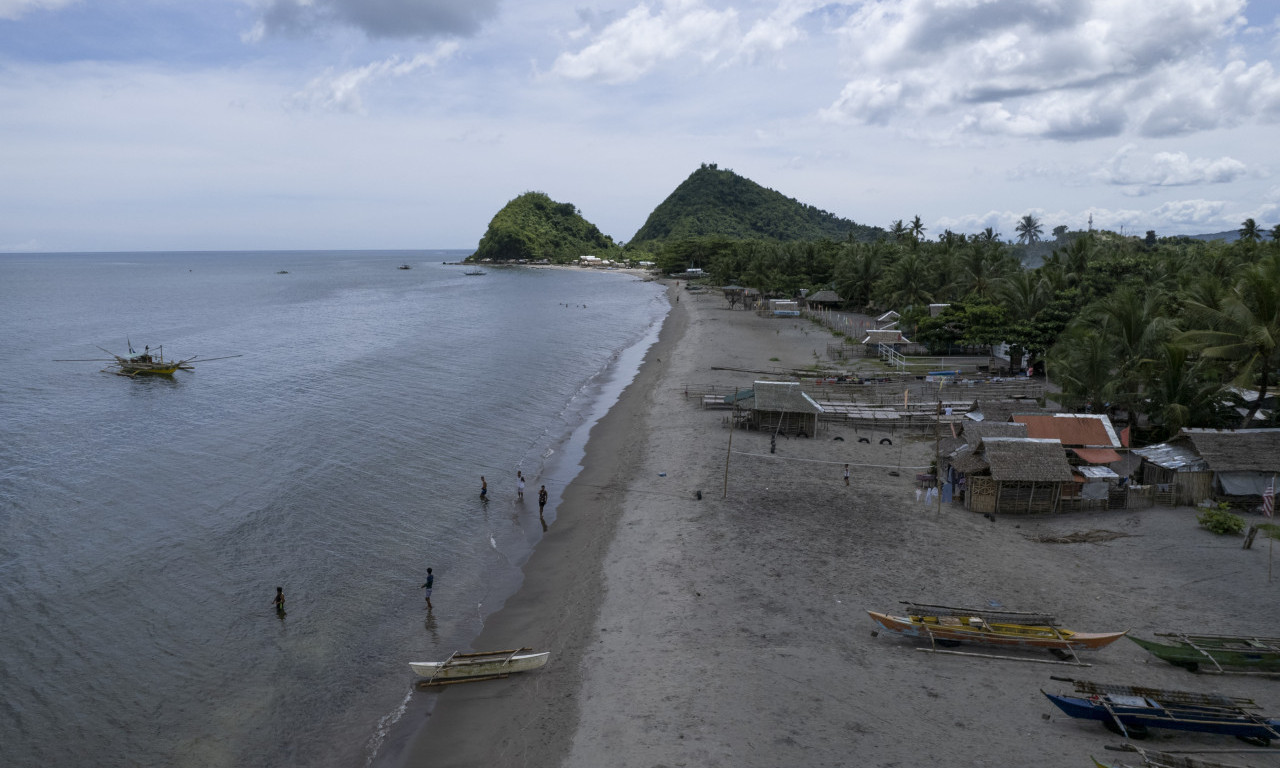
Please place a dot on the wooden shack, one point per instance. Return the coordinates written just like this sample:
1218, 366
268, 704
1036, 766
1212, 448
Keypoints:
1241, 460
781, 407
1024, 476
1180, 476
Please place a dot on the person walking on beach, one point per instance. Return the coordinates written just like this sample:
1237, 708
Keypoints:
484, 489
519, 485
542, 499
279, 601
431, 580
846, 474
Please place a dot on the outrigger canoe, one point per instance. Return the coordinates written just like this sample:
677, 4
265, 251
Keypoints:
1214, 652
1010, 629
1132, 710
486, 665
1153, 759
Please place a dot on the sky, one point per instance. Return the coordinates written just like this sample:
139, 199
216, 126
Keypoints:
353, 124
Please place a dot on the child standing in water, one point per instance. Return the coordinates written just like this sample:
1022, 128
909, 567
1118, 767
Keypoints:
279, 601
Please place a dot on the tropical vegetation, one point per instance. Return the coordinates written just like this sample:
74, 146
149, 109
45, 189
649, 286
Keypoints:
533, 227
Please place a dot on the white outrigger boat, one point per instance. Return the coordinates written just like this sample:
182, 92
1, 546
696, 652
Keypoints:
486, 665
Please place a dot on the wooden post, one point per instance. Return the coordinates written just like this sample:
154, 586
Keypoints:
937, 452
733, 418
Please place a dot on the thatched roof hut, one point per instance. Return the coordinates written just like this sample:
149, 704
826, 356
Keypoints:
1026, 476
1242, 460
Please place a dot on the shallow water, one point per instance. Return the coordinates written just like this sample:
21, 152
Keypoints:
144, 524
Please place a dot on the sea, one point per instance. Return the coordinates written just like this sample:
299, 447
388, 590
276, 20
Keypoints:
330, 440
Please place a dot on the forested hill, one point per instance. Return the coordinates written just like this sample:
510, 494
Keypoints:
533, 227
722, 203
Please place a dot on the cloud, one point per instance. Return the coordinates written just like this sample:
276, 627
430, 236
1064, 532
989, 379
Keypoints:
341, 92
642, 39
1167, 169
376, 18
1057, 69
15, 9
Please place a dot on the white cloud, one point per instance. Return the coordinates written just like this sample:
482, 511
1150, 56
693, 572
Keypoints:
341, 92
642, 39
1060, 69
16, 9
1166, 169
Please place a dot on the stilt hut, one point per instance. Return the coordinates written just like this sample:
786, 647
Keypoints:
780, 406
1025, 477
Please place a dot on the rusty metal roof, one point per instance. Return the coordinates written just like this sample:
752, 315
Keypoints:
1083, 429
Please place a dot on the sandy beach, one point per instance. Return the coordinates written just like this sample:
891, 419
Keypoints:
731, 629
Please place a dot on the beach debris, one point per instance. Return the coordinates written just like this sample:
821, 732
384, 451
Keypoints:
1080, 537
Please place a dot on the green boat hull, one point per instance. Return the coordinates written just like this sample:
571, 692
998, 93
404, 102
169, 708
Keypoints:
1239, 657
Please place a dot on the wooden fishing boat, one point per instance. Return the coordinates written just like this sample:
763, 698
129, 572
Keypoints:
486, 665
144, 363
1010, 629
1216, 652
1154, 759
1132, 710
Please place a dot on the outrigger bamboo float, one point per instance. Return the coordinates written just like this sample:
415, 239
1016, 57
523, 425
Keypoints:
1154, 759
473, 667
1132, 710
1216, 653
948, 626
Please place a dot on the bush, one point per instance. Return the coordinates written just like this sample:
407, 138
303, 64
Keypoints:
1220, 521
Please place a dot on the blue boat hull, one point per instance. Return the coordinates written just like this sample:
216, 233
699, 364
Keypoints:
1175, 718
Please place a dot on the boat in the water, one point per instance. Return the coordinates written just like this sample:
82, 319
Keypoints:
148, 362
1132, 710
474, 272
486, 665
404, 266
1217, 653
944, 625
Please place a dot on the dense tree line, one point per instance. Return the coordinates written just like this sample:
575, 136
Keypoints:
719, 203
1156, 331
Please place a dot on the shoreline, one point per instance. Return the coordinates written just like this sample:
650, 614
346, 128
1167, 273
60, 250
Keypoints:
554, 608
729, 627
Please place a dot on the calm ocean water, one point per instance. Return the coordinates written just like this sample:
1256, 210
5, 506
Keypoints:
145, 524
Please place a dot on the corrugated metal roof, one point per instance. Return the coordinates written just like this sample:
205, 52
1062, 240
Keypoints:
1176, 456
1092, 429
1097, 455
1097, 473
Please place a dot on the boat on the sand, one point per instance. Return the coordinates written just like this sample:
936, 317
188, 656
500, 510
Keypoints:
1155, 759
1132, 710
1216, 652
1011, 629
485, 665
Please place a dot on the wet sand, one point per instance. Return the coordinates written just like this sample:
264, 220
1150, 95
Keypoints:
731, 630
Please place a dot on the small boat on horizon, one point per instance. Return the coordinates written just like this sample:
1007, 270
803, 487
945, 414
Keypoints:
404, 266
475, 272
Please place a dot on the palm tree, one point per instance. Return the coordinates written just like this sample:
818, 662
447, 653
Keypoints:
906, 281
898, 230
1184, 392
1250, 232
1244, 329
1029, 229
917, 228
1084, 365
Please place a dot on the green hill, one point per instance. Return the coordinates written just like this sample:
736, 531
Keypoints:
722, 203
534, 227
